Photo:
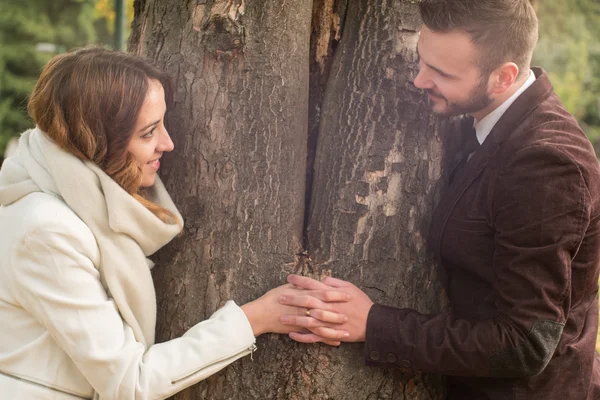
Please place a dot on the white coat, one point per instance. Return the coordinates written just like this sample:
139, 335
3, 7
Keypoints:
62, 336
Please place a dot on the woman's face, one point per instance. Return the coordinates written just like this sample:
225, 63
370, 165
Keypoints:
150, 138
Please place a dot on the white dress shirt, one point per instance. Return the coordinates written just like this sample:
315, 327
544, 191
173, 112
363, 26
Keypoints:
484, 126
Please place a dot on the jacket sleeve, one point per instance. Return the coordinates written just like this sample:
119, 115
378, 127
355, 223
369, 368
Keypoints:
59, 285
540, 207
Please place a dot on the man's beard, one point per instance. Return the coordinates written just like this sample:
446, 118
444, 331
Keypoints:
478, 100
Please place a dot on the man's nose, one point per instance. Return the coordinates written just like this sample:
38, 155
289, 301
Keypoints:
422, 81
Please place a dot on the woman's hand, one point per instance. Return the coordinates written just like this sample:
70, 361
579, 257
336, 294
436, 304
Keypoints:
268, 314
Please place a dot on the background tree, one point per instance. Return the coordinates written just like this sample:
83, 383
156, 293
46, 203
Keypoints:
252, 79
105, 19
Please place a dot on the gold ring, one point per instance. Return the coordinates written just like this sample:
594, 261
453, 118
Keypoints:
308, 312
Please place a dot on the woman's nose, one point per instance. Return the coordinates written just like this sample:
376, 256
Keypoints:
166, 144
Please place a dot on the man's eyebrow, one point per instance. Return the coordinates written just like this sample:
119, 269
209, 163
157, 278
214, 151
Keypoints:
439, 71
149, 125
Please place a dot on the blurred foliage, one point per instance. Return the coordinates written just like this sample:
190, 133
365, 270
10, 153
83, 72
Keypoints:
61, 25
570, 51
23, 25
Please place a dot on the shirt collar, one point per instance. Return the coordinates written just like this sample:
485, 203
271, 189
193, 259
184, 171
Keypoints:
484, 126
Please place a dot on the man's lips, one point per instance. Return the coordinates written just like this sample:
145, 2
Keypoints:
435, 96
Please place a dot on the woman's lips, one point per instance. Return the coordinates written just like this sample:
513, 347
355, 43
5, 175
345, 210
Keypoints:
155, 165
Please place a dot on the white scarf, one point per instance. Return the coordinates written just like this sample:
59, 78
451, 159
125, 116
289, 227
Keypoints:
125, 230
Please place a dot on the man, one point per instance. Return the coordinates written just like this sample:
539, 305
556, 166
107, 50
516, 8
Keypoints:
517, 232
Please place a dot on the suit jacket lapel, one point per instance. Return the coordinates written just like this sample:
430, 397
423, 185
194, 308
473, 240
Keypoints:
512, 118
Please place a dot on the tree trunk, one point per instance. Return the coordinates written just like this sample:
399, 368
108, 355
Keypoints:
261, 86
377, 165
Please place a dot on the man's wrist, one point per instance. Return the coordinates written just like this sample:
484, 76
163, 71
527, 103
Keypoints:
370, 320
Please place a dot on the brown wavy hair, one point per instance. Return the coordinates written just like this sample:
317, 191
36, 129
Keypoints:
88, 101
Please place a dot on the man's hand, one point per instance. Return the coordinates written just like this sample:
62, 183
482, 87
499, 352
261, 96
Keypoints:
356, 308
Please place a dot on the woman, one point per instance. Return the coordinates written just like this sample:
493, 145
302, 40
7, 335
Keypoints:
82, 208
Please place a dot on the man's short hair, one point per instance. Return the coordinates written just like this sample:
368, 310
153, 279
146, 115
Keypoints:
503, 30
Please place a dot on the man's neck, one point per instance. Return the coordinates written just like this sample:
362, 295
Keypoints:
501, 98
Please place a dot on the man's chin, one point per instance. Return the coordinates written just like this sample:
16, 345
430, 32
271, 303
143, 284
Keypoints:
438, 105
445, 110
439, 109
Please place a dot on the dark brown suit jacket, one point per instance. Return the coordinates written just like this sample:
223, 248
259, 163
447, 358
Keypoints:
517, 234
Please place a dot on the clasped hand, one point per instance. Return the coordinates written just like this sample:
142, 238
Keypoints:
355, 309
317, 322
331, 311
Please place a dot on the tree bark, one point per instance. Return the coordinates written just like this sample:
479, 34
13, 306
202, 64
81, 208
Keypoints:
252, 79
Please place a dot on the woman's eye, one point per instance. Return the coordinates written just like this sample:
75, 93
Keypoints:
149, 134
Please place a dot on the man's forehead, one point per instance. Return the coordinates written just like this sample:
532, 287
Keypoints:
452, 49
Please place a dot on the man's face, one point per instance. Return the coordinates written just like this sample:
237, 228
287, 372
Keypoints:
449, 73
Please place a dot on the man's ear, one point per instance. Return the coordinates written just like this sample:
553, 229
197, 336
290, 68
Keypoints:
503, 77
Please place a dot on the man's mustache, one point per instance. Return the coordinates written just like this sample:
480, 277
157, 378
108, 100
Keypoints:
435, 94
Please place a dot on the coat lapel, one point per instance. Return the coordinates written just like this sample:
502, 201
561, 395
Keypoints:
508, 123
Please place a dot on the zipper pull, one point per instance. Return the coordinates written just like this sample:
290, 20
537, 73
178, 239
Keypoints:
252, 350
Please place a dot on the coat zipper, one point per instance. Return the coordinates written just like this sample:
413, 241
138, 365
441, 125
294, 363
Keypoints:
250, 350
18, 378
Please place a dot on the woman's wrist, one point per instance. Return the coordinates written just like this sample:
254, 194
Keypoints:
253, 314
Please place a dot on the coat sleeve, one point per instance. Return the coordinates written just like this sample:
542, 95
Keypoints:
60, 287
541, 210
